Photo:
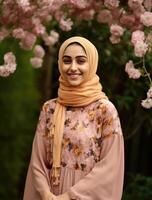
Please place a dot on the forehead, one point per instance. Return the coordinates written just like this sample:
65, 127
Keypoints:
74, 50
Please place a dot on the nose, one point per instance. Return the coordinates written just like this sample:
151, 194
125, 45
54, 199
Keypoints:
73, 66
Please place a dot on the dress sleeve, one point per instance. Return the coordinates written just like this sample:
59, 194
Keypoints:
105, 181
37, 185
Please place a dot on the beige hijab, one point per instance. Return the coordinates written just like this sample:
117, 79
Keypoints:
87, 92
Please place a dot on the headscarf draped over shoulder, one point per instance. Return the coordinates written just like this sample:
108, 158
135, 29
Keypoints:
91, 89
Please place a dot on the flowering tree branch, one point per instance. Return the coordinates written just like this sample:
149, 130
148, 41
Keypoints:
29, 20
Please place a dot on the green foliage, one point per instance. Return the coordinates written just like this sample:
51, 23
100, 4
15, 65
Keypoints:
139, 187
19, 109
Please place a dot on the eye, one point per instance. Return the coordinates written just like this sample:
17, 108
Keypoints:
81, 61
66, 60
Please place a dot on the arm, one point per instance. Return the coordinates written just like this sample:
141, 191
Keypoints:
38, 180
105, 181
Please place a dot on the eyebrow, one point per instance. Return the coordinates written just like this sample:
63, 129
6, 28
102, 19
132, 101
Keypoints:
80, 56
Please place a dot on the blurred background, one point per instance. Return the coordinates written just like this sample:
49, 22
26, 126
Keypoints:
23, 93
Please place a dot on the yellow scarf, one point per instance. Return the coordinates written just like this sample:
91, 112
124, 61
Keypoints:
87, 92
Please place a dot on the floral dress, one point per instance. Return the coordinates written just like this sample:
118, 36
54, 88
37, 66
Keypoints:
92, 157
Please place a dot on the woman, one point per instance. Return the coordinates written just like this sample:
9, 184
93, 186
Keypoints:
78, 150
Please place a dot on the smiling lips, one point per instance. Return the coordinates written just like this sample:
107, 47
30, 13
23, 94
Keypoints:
74, 75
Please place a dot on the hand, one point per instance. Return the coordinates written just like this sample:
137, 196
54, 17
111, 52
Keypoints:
64, 196
51, 196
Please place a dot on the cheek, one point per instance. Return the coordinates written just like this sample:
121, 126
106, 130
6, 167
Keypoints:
85, 68
64, 68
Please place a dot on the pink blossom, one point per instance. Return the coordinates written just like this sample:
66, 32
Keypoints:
111, 4
54, 34
137, 25
39, 29
149, 93
36, 62
137, 12
48, 18
9, 65
39, 51
51, 39
131, 71
127, 20
47, 3
104, 16
26, 23
116, 30
28, 12
18, 33
81, 4
147, 103
134, 73
7, 16
58, 15
44, 14
148, 4
116, 14
4, 71
140, 49
9, 58
28, 41
35, 20
134, 3
137, 7
137, 36
146, 18
56, 5
115, 39
140, 1
87, 14
65, 25
129, 65
23, 3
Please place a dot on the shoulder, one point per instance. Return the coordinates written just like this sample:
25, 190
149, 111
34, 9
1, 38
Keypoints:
49, 105
105, 105
105, 108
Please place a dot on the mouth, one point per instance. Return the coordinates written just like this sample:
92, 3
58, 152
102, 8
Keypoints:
73, 75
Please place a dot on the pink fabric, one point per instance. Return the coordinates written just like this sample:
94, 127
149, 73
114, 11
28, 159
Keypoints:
92, 165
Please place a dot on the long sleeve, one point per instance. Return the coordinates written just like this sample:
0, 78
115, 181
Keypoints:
105, 181
38, 183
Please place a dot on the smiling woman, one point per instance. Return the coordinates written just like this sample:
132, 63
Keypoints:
78, 149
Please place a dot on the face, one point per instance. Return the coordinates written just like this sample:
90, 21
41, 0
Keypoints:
75, 66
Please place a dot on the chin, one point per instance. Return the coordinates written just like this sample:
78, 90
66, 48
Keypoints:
74, 83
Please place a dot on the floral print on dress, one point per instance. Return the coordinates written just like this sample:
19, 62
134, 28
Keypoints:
85, 129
